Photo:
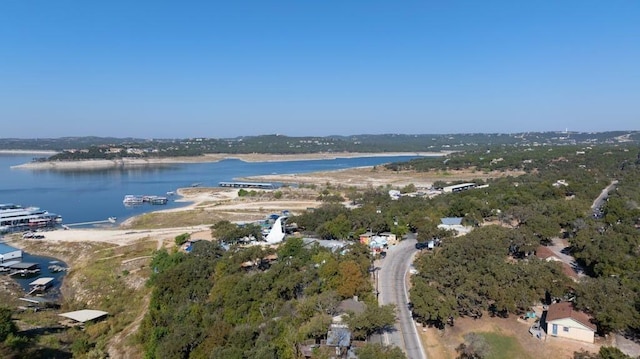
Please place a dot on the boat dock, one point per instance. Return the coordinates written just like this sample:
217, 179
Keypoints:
258, 185
24, 268
133, 200
40, 285
91, 222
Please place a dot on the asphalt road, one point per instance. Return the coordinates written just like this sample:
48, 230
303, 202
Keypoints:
392, 286
598, 202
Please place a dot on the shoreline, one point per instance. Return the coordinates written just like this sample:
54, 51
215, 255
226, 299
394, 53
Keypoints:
97, 164
27, 152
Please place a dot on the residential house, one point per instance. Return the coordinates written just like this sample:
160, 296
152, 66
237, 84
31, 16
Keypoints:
365, 238
545, 253
564, 321
453, 224
392, 239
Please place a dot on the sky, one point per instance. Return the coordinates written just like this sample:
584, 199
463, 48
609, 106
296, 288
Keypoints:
219, 69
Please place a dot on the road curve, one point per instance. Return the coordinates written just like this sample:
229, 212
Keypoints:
392, 286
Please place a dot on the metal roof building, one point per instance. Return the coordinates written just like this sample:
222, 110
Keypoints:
7, 252
84, 315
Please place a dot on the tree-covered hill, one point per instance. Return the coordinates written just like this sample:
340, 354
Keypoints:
75, 148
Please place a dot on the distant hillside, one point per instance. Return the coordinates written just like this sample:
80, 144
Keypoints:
76, 148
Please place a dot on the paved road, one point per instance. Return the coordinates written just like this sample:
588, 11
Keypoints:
598, 202
558, 247
392, 286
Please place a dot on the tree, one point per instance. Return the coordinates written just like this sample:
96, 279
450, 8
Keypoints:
351, 280
611, 302
373, 320
603, 353
474, 347
182, 238
7, 326
377, 351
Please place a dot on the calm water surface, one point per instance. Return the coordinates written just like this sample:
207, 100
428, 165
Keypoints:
92, 195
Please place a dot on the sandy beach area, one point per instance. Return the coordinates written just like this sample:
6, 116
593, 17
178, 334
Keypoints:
214, 157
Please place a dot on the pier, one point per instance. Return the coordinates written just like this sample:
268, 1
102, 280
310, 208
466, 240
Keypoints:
108, 220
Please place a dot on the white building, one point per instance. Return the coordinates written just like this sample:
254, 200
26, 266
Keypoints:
458, 187
566, 322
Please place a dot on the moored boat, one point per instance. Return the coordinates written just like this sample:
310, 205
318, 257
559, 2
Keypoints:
14, 217
130, 200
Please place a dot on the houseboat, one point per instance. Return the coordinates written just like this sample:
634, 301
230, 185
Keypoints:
132, 200
14, 217
156, 199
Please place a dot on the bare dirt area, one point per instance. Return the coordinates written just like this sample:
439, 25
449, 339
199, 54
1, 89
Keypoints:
443, 344
377, 176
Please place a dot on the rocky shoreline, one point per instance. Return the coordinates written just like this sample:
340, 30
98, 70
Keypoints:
98, 164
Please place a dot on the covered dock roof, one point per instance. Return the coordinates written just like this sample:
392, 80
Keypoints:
24, 265
41, 281
8, 264
84, 315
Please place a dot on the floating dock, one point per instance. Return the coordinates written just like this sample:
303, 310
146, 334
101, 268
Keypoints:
258, 185
40, 285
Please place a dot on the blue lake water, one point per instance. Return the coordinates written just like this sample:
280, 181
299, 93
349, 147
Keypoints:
92, 195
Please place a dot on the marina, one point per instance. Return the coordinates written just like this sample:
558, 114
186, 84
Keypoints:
40, 277
86, 195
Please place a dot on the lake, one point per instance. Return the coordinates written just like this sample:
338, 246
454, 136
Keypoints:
93, 195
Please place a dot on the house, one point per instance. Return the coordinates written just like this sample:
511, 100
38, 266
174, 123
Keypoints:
392, 239
453, 224
545, 253
564, 321
8, 252
365, 238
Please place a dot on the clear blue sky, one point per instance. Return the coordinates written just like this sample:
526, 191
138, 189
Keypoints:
169, 69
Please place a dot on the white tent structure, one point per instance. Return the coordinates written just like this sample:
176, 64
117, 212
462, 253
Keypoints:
277, 233
84, 315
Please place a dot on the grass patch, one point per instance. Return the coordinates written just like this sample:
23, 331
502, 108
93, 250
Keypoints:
173, 219
503, 347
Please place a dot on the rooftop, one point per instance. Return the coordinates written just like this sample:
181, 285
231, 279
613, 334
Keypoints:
24, 265
565, 310
84, 315
41, 281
